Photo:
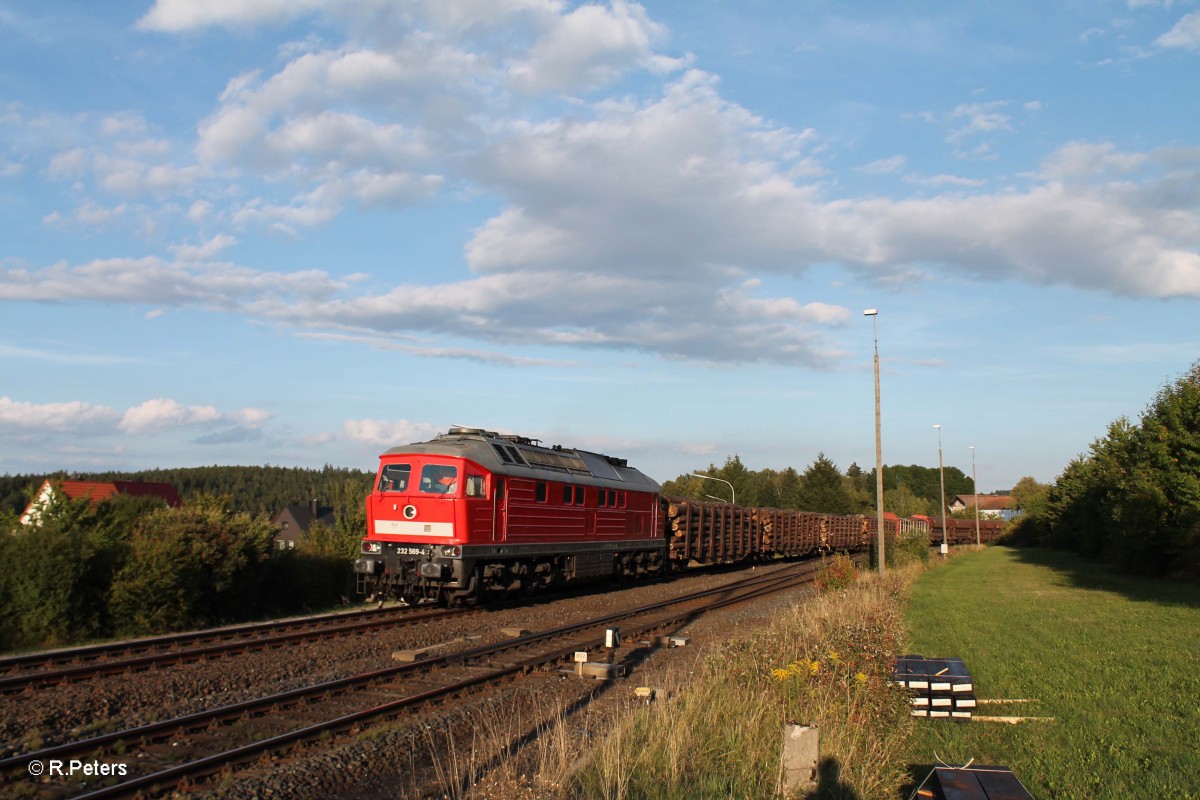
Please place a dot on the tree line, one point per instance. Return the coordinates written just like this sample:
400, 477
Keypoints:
1133, 499
822, 487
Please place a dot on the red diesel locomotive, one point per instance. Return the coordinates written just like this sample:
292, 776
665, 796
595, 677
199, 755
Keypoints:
473, 513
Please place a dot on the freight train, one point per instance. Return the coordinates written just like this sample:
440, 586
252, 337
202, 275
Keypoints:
473, 514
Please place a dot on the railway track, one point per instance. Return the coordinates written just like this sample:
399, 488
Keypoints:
33, 670
216, 740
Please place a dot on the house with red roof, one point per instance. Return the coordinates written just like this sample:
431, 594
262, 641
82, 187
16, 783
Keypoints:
96, 492
991, 506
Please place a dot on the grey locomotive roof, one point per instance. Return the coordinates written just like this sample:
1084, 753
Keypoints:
527, 458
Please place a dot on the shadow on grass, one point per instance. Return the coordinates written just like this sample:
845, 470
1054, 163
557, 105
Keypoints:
830, 785
1084, 573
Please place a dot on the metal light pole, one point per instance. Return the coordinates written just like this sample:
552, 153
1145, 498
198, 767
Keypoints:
942, 475
873, 313
732, 492
975, 483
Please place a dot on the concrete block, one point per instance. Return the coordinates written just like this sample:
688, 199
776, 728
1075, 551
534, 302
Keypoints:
605, 672
801, 757
672, 641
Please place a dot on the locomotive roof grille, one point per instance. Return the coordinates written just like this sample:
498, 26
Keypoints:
508, 453
564, 460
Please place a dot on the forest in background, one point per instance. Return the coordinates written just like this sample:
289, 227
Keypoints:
907, 490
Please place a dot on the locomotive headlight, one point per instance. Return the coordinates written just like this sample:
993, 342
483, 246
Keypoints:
372, 547
451, 551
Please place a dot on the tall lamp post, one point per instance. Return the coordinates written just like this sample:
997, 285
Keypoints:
942, 476
873, 313
975, 483
732, 492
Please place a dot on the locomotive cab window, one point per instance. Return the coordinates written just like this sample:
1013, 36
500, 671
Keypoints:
439, 479
394, 478
539, 491
475, 486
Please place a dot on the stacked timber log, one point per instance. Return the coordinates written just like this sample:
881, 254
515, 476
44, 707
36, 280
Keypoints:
790, 533
711, 533
938, 687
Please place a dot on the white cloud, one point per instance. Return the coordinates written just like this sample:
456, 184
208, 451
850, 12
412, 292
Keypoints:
386, 432
174, 16
70, 165
1185, 34
205, 250
591, 46
254, 417
943, 180
161, 413
73, 416
1079, 159
884, 166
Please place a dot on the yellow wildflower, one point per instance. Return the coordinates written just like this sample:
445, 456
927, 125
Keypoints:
814, 667
781, 674
861, 678
834, 658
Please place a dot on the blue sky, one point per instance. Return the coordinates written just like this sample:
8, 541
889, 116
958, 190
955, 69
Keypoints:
300, 232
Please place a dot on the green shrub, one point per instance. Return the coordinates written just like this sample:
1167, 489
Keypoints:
910, 547
837, 573
196, 565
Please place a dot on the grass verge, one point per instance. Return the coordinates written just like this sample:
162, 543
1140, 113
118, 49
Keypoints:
1110, 658
719, 733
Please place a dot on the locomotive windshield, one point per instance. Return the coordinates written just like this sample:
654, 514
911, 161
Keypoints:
394, 478
438, 479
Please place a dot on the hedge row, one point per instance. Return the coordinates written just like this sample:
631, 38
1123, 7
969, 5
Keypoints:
125, 567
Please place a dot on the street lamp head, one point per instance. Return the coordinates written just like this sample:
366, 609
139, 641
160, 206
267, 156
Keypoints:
939, 427
871, 312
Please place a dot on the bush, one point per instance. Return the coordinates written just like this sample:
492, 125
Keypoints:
837, 573
911, 547
192, 566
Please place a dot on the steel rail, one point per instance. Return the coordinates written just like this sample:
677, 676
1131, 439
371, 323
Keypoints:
202, 719
93, 651
15, 683
208, 765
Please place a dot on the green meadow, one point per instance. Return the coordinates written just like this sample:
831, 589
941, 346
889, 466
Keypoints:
1113, 660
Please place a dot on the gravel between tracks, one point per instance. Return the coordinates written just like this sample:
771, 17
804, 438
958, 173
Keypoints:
393, 759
